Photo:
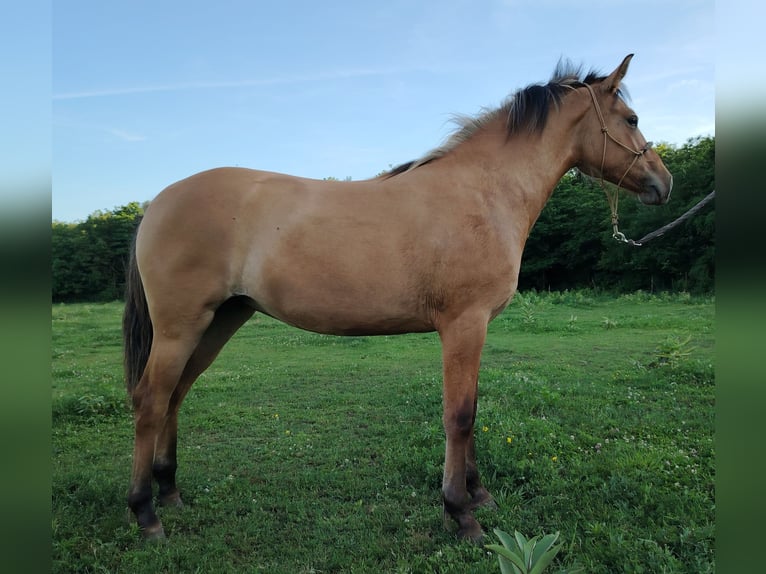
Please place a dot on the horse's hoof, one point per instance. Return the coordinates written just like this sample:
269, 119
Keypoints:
468, 527
489, 504
472, 533
154, 533
484, 499
171, 501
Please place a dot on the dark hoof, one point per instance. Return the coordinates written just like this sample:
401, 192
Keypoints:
472, 533
468, 527
484, 499
154, 533
171, 501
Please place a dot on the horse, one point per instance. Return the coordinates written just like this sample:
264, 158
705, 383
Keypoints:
432, 245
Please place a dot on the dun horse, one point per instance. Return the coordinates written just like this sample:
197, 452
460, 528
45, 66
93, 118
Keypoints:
433, 245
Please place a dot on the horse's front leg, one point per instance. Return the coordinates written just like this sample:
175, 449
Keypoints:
462, 342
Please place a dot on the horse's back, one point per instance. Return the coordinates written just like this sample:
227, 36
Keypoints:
218, 193
300, 249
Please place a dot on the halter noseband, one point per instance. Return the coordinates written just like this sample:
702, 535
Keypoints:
614, 198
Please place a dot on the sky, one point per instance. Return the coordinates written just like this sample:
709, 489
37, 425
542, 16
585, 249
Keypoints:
148, 92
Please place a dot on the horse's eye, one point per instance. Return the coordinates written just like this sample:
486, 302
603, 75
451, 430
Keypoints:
633, 121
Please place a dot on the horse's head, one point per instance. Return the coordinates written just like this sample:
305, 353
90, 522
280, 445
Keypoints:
613, 147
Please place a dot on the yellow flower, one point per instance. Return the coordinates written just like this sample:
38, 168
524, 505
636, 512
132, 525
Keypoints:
484, 429
554, 458
509, 439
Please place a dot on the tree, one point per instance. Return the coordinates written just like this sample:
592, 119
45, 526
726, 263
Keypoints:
571, 244
89, 258
684, 258
564, 245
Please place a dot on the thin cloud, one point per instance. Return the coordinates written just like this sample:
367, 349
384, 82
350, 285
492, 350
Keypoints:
127, 91
127, 136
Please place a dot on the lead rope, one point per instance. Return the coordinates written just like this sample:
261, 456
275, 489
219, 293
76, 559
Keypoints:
614, 198
665, 228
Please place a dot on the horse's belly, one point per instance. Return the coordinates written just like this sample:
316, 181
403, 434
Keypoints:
332, 308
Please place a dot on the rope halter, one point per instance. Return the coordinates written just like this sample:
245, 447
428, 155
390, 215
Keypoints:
613, 198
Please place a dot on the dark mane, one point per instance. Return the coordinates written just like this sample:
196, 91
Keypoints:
526, 110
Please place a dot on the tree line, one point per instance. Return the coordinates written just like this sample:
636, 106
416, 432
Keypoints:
89, 258
570, 246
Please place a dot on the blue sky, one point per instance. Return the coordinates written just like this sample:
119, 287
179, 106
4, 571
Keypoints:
146, 93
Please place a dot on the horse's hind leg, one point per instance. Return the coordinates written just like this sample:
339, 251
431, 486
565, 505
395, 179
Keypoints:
151, 401
228, 318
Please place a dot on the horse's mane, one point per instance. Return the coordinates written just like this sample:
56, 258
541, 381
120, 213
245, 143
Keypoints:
526, 109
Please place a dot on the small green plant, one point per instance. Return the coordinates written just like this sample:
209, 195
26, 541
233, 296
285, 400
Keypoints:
88, 407
673, 350
517, 555
528, 312
609, 323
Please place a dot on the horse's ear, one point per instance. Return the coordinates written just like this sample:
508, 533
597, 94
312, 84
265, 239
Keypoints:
612, 83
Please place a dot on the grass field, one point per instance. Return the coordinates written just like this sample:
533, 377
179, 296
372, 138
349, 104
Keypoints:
305, 453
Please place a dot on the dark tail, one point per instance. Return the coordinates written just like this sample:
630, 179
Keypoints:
136, 325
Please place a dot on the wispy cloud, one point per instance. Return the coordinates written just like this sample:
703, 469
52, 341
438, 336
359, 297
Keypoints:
186, 86
127, 136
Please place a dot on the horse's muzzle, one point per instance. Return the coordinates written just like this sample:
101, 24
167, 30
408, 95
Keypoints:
655, 191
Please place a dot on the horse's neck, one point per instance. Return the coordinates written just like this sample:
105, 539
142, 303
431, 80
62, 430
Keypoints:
517, 174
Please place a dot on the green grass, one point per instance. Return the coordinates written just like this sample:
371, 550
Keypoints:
305, 453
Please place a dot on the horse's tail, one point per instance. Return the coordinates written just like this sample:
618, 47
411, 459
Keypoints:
136, 325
